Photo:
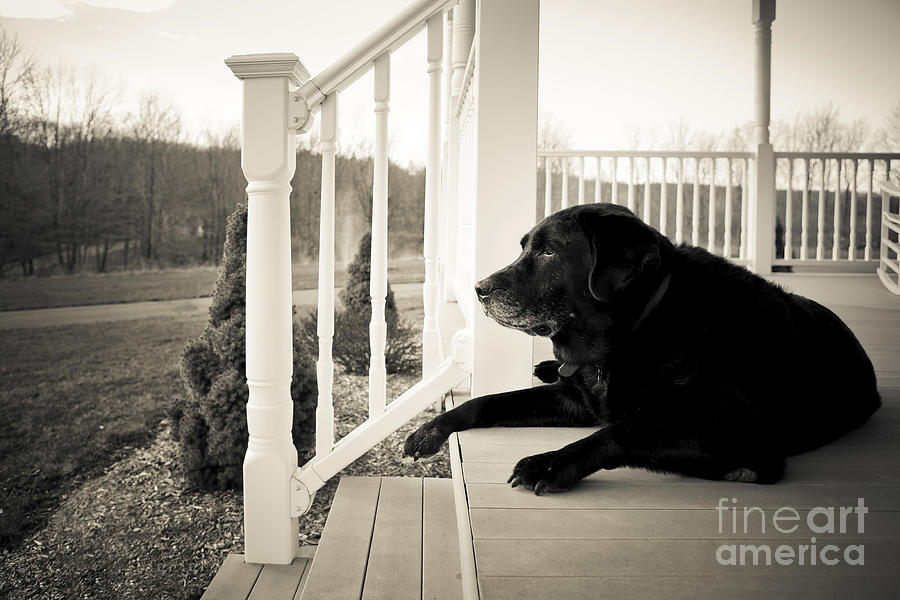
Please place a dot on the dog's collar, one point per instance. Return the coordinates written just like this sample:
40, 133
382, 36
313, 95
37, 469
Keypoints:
654, 301
568, 369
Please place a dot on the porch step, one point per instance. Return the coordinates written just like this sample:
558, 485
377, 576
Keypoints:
389, 537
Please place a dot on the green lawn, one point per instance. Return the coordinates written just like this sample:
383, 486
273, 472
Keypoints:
172, 284
75, 399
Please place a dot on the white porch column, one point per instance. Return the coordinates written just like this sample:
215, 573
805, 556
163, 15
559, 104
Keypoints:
761, 218
506, 174
268, 160
463, 33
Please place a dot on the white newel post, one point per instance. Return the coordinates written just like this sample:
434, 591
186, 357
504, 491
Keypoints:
761, 217
506, 174
268, 160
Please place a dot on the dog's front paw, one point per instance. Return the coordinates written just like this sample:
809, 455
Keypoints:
543, 473
547, 371
425, 441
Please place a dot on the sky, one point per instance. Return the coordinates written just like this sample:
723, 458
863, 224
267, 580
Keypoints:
608, 68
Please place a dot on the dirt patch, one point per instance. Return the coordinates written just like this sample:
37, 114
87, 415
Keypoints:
134, 532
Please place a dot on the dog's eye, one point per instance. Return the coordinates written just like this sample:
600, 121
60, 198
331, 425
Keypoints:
547, 252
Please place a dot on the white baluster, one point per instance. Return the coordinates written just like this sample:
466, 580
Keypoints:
820, 223
695, 206
645, 212
804, 211
564, 203
328, 129
431, 340
679, 203
597, 182
664, 199
789, 212
711, 225
615, 181
580, 180
851, 249
548, 187
745, 194
631, 183
836, 238
444, 227
268, 161
378, 282
868, 250
726, 251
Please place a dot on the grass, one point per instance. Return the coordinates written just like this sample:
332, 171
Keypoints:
75, 399
171, 284
93, 499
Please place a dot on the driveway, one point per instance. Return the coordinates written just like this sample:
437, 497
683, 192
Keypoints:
100, 313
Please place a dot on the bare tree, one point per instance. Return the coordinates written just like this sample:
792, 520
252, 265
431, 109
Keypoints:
888, 137
69, 119
155, 126
16, 71
223, 183
553, 133
16, 219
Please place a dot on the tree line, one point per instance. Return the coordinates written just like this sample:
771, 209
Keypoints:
85, 188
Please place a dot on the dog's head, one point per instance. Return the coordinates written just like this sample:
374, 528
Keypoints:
577, 262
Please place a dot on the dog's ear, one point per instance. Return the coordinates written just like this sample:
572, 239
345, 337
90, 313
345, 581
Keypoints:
622, 248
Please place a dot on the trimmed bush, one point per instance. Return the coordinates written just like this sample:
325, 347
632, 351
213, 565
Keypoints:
210, 422
350, 348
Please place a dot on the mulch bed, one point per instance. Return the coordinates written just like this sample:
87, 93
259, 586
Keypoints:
134, 532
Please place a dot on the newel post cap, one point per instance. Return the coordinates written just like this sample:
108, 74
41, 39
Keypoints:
285, 64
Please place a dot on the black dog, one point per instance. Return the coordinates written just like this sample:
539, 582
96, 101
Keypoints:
691, 363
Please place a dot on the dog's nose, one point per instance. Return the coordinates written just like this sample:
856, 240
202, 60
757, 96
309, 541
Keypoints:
483, 289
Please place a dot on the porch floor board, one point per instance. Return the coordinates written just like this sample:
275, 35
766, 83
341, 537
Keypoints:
630, 533
385, 537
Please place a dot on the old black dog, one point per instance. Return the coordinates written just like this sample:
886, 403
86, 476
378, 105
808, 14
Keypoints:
691, 363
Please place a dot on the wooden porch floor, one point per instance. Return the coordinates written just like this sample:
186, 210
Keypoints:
628, 533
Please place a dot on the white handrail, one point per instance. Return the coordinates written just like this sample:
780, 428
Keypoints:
355, 63
643, 153
890, 222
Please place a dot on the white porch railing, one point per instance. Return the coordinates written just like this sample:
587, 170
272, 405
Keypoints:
841, 190
688, 196
826, 203
279, 101
889, 269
